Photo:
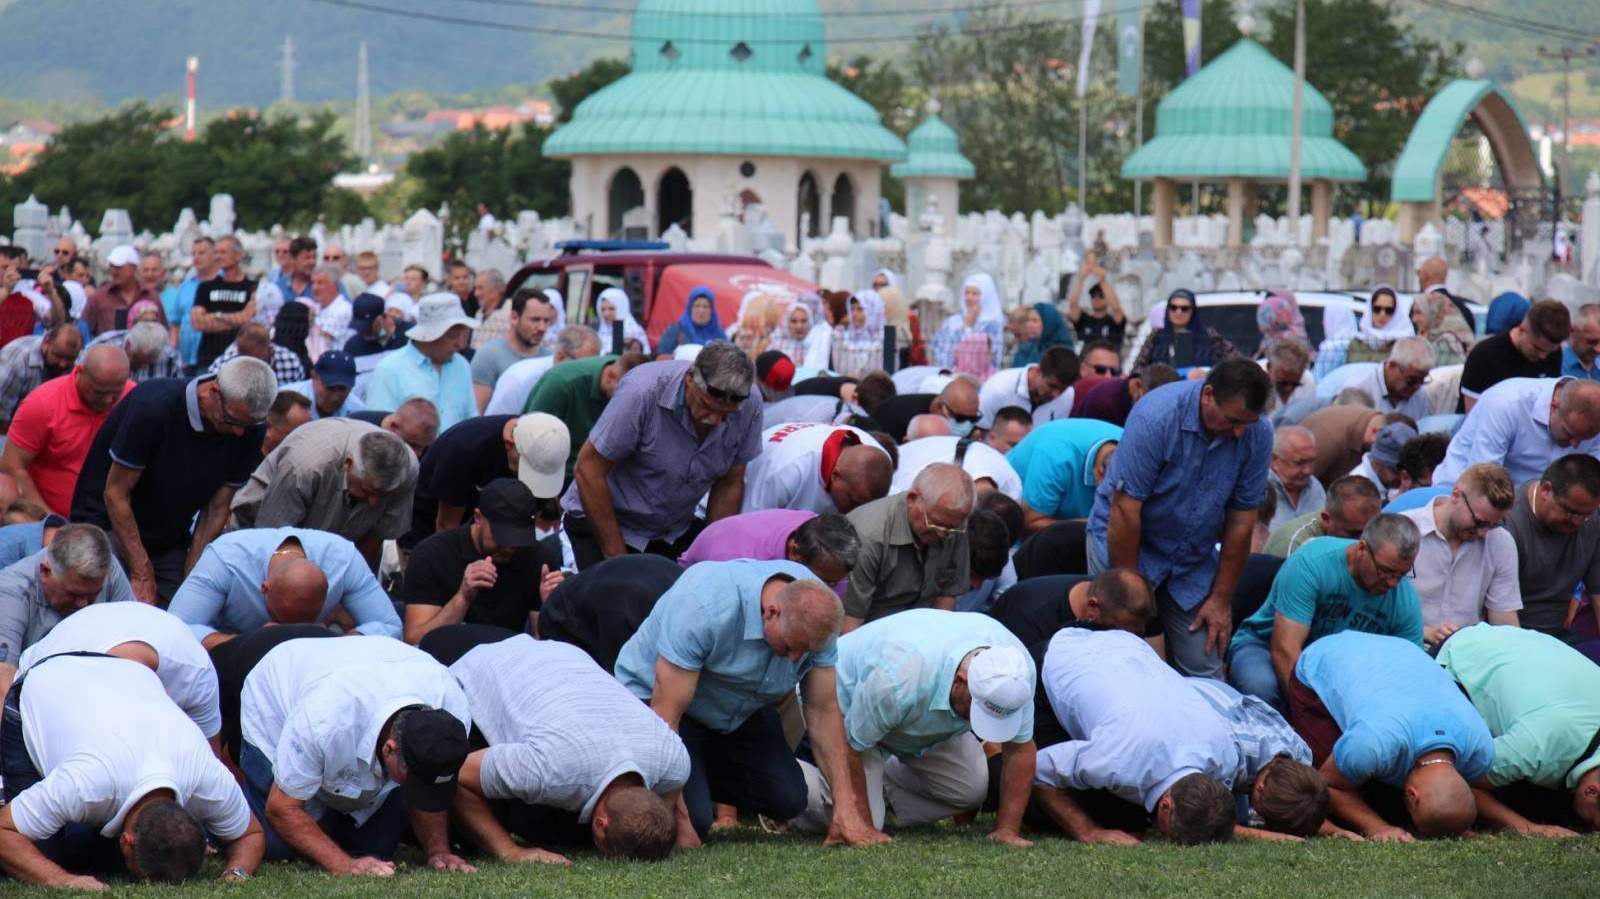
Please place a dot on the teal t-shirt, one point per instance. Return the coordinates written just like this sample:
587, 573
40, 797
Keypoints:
1314, 588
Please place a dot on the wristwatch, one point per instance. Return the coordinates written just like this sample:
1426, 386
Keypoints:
238, 872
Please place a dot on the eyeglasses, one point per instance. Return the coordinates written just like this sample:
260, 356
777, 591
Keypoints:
1478, 524
1180, 307
63, 252
1107, 370
1383, 569
939, 528
1566, 510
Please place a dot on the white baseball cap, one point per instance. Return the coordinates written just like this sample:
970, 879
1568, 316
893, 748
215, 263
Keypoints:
1001, 682
122, 254
543, 444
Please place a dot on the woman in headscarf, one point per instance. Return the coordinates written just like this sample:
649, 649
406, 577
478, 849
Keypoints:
858, 345
1506, 312
560, 304
1278, 317
980, 314
1439, 322
697, 325
1384, 322
613, 305
883, 279
758, 314
898, 314
801, 338
1044, 328
1183, 341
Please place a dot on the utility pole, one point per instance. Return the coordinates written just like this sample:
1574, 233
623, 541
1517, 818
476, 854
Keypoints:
1565, 54
1297, 119
363, 146
286, 86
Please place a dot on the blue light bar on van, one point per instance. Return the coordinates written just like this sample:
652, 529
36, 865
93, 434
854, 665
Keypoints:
574, 247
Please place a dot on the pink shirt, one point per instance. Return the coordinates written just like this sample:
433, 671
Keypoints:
53, 423
763, 536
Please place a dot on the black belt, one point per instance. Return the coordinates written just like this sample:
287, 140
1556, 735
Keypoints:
962, 446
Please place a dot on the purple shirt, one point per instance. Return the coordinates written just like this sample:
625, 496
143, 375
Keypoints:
662, 466
761, 535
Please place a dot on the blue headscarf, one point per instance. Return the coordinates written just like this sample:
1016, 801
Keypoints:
688, 331
1199, 341
1054, 333
1506, 312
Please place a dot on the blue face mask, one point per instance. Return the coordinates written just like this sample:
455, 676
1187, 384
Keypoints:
960, 429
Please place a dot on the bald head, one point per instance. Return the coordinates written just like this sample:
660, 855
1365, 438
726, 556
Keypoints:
1439, 800
1433, 270
295, 590
960, 397
927, 425
861, 475
102, 376
809, 614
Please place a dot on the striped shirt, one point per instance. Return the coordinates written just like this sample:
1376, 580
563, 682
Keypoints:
560, 729
1259, 732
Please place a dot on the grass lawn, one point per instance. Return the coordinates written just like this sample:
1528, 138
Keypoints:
959, 863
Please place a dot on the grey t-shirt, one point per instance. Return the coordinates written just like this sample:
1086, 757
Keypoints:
492, 359
1551, 565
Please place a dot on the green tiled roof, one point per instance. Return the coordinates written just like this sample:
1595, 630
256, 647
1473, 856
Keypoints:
1416, 172
1233, 119
935, 152
727, 77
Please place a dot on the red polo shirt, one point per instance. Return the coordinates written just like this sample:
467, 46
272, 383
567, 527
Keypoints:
53, 423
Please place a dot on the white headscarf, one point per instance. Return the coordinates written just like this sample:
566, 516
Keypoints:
892, 276
1399, 324
988, 309
560, 302
618, 298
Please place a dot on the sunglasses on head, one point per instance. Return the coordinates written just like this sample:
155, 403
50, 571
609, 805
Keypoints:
718, 394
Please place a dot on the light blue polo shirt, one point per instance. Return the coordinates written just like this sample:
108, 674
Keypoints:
406, 373
895, 676
710, 622
1056, 464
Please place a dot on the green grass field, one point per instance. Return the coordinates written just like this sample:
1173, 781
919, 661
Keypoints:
960, 863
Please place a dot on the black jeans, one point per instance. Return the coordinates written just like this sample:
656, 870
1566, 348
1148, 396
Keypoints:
586, 549
750, 767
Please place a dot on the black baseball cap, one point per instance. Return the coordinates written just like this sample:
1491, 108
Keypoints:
433, 745
366, 308
509, 507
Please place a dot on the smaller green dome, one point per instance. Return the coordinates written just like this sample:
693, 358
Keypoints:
934, 151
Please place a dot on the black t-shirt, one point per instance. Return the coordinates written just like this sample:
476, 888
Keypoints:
223, 298
821, 386
896, 412
1036, 608
1058, 549
362, 345
458, 464
1495, 359
600, 608
434, 575
180, 468
1099, 327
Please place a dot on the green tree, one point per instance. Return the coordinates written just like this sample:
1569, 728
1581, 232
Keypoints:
1163, 43
126, 160
575, 88
505, 170
279, 170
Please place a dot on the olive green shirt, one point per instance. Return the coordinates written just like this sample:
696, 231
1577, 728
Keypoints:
1292, 534
896, 573
571, 392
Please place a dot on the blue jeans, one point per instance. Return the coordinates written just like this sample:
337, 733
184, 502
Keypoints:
750, 767
378, 837
1250, 671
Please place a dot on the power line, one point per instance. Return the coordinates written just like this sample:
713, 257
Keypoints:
876, 13
1531, 26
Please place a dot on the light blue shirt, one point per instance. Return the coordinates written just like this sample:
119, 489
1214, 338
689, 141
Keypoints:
1572, 368
304, 388
1187, 480
710, 622
895, 675
177, 302
1385, 729
18, 541
1138, 726
223, 592
1056, 464
406, 373
1415, 498
1509, 426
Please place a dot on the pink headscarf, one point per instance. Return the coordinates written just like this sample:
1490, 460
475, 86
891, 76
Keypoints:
973, 356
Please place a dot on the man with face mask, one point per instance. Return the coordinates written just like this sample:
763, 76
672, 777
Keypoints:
76, 569
957, 403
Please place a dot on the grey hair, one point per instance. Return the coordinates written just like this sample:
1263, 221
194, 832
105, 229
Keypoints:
1412, 352
1398, 531
494, 277
1280, 438
573, 340
725, 367
145, 339
81, 549
202, 239
383, 459
1589, 312
1354, 396
1290, 352
325, 269
248, 380
942, 484
830, 536
229, 238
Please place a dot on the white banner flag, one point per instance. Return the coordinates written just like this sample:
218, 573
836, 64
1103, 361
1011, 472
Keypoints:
1091, 18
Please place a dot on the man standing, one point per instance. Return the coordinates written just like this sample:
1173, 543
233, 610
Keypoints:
333, 376
1557, 535
1191, 470
178, 301
532, 316
460, 281
430, 364
221, 304
1524, 424
344, 738
1466, 567
1577, 357
94, 751
1331, 585
494, 318
1425, 739
578, 393
1531, 349
1294, 457
295, 283
914, 550
336, 475
27, 362
1061, 463
727, 641
516, 384
330, 327
39, 590
674, 431
52, 430
1041, 389
247, 579
171, 451
572, 757
816, 468
108, 306
1104, 319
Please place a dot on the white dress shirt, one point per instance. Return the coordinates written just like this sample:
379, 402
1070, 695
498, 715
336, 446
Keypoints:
511, 389
981, 461
1139, 726
183, 666
315, 709
1459, 588
105, 735
1509, 426
1009, 387
560, 729
1417, 407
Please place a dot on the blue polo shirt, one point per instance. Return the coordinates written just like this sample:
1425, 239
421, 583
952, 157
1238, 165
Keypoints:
1187, 480
710, 622
1393, 703
157, 430
1056, 464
